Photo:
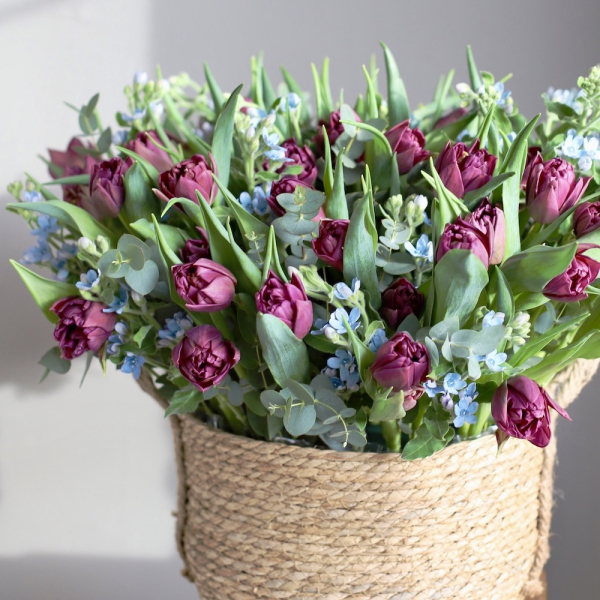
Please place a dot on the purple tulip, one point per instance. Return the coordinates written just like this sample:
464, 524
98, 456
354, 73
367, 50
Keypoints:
552, 189
287, 185
303, 156
400, 363
195, 249
400, 299
465, 236
286, 301
82, 325
329, 244
67, 159
144, 145
534, 157
489, 219
463, 170
107, 190
586, 218
521, 409
204, 285
408, 144
185, 178
203, 357
333, 127
570, 286
456, 115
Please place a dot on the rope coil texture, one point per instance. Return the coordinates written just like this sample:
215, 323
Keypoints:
265, 520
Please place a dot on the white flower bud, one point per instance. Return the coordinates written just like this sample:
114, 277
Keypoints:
140, 78
86, 245
330, 332
421, 202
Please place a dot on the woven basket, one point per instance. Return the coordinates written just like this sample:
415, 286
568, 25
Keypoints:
272, 521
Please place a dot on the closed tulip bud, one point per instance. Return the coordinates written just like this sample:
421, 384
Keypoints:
552, 189
286, 301
399, 300
408, 144
107, 190
204, 285
521, 409
462, 235
329, 244
400, 363
196, 249
145, 145
184, 179
463, 170
490, 220
586, 218
302, 156
570, 286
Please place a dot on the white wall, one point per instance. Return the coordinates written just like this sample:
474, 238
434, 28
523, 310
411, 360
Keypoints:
86, 476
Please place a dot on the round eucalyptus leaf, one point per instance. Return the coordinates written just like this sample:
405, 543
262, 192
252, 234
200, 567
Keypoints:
299, 418
111, 264
135, 256
297, 224
127, 239
144, 280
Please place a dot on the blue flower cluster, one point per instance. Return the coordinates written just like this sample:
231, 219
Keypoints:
41, 251
257, 203
133, 364
119, 302
342, 369
174, 330
423, 248
117, 339
585, 149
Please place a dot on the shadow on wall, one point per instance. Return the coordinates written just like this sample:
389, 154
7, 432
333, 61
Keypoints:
37, 577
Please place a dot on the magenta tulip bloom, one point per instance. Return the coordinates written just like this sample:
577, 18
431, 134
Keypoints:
570, 286
185, 178
82, 325
286, 301
408, 144
462, 235
144, 145
329, 244
67, 159
586, 218
107, 191
552, 189
489, 219
463, 170
400, 299
456, 115
333, 127
303, 156
400, 363
520, 408
287, 185
204, 285
204, 358
195, 249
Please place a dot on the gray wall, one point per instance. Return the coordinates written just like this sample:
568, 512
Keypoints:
86, 479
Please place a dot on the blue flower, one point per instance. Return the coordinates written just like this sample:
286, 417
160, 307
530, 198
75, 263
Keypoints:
140, 77
120, 137
174, 329
293, 101
338, 384
432, 388
259, 201
470, 392
336, 319
37, 254
568, 97
138, 113
453, 383
60, 266
465, 412
493, 319
377, 340
572, 147
32, 196
346, 364
133, 364
423, 249
46, 226
504, 95
119, 302
270, 139
88, 280
495, 361
117, 338
343, 292
246, 201
157, 108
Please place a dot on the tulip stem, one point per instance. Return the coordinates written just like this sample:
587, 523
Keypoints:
483, 414
391, 435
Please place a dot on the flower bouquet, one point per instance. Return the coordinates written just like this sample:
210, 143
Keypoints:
364, 278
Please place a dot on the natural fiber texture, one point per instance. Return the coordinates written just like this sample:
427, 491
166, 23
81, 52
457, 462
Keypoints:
266, 520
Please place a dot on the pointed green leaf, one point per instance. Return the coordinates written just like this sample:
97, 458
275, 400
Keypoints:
476, 81
215, 90
45, 292
184, 401
397, 99
285, 355
336, 206
197, 145
296, 89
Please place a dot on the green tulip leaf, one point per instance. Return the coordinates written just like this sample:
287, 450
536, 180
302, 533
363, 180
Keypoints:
398, 106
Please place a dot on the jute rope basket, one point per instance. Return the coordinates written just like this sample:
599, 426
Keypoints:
273, 521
